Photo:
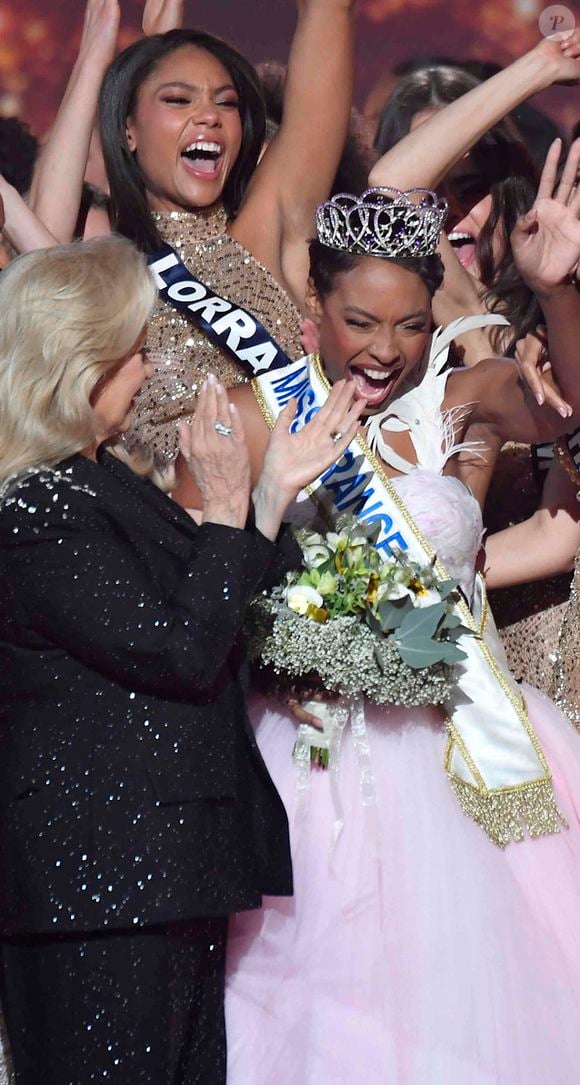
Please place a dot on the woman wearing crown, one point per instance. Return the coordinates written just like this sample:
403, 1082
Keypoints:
433, 936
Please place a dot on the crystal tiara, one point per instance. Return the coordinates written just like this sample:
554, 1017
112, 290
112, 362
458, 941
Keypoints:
382, 222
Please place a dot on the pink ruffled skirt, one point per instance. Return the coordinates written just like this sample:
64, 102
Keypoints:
415, 951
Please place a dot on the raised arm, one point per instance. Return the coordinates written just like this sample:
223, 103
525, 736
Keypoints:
159, 16
542, 546
23, 229
298, 168
546, 248
427, 154
58, 180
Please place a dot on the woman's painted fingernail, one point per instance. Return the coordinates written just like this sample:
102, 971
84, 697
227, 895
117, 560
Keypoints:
539, 398
211, 379
218, 386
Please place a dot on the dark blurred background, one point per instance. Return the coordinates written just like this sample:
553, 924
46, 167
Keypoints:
38, 39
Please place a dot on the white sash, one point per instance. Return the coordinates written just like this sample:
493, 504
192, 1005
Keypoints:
493, 758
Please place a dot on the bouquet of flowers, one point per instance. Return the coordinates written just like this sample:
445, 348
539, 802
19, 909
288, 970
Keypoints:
357, 625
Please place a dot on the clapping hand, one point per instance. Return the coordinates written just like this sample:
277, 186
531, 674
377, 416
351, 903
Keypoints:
546, 241
293, 460
215, 450
159, 16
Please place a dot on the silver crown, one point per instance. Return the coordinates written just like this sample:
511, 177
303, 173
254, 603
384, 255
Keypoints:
382, 222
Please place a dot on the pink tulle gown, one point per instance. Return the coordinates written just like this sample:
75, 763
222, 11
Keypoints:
415, 951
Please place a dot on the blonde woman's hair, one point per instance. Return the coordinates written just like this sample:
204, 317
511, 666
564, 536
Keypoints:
68, 315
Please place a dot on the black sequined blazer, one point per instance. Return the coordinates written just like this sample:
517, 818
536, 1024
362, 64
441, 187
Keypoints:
131, 788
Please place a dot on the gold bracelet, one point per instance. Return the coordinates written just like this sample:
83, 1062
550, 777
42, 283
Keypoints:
567, 464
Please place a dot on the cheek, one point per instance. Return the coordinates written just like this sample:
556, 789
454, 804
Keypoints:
150, 129
337, 346
235, 134
413, 352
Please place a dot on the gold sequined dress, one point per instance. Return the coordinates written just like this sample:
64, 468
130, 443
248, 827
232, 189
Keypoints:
183, 355
566, 681
528, 616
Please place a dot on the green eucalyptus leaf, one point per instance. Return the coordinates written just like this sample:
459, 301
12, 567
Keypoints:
392, 612
445, 587
373, 622
451, 653
452, 621
422, 652
421, 622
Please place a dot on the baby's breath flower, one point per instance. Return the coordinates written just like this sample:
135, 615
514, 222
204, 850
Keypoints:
345, 655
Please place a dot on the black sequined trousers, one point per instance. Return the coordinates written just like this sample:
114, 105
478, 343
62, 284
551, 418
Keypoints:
143, 1007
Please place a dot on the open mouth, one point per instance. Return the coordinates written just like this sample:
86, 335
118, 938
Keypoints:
374, 385
204, 157
464, 246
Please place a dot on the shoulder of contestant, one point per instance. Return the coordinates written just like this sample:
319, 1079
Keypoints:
481, 388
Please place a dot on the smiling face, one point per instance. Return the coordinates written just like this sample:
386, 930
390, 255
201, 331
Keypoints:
465, 236
185, 130
113, 399
374, 327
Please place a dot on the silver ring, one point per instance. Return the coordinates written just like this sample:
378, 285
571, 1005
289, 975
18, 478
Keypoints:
337, 436
224, 431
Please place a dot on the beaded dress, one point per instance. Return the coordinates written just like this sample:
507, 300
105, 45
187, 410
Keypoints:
414, 951
182, 354
566, 680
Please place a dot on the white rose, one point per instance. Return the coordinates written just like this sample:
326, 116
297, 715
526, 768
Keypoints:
395, 591
315, 554
332, 540
428, 597
300, 596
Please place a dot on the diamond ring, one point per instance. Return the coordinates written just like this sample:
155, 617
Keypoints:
224, 431
337, 436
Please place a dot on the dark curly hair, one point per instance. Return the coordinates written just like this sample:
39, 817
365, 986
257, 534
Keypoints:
18, 152
129, 209
326, 264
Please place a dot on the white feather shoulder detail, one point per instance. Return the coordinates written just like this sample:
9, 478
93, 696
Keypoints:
417, 410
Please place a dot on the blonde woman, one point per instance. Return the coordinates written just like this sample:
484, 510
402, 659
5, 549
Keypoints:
136, 811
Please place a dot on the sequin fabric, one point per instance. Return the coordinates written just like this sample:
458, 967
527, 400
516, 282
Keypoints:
133, 1008
528, 616
163, 824
183, 355
566, 684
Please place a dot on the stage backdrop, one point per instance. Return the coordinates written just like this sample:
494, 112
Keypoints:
38, 41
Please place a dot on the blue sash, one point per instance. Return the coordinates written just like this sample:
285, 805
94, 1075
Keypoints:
226, 324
